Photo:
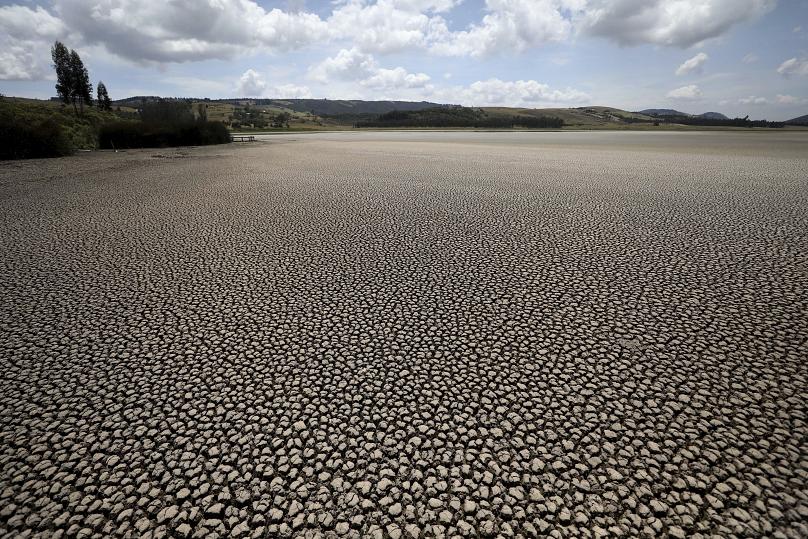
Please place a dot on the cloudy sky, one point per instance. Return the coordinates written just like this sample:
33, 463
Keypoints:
734, 56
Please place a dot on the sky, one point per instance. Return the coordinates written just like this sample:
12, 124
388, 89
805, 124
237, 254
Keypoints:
737, 57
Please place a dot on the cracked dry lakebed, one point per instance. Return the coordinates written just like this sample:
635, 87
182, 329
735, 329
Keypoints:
406, 335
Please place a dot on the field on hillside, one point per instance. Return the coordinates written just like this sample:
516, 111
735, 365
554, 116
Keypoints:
248, 117
408, 334
585, 117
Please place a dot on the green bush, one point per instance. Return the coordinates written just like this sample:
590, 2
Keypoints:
33, 116
167, 112
150, 135
31, 128
20, 140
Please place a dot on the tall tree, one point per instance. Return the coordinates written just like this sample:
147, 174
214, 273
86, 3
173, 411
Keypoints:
104, 102
61, 63
72, 79
82, 87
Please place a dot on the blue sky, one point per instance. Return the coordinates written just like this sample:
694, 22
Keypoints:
738, 57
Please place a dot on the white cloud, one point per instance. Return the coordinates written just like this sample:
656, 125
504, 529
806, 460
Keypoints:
692, 64
427, 5
352, 69
511, 93
348, 64
354, 65
197, 87
18, 63
509, 25
21, 22
22, 31
291, 91
187, 30
790, 100
750, 58
679, 23
395, 78
194, 30
521, 24
794, 66
753, 100
251, 84
387, 26
686, 93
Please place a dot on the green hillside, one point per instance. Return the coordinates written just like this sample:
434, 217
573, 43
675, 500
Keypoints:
81, 130
460, 117
581, 117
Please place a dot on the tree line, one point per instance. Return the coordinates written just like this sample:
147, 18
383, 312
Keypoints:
457, 116
248, 116
716, 122
34, 130
73, 84
164, 123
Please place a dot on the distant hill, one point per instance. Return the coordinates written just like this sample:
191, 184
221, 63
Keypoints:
713, 116
672, 112
801, 120
133, 101
663, 112
457, 116
341, 106
584, 117
333, 113
329, 107
349, 111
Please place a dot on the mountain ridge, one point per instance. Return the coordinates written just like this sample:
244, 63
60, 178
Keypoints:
799, 120
358, 109
315, 106
674, 112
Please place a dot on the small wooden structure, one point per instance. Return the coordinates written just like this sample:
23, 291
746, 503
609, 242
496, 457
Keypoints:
243, 138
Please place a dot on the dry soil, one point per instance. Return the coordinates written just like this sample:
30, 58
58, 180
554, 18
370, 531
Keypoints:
408, 335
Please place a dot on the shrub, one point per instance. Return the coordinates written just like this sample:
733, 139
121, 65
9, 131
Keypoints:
151, 135
167, 112
20, 140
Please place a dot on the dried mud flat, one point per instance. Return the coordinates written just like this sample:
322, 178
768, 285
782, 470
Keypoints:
408, 335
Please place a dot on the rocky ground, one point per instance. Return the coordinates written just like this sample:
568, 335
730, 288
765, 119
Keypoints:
420, 335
